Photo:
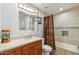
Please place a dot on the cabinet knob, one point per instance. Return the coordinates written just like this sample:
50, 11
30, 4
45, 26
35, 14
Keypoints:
6, 52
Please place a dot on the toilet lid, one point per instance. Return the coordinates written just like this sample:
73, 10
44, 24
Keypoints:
47, 47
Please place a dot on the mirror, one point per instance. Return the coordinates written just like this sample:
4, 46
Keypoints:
27, 22
27, 17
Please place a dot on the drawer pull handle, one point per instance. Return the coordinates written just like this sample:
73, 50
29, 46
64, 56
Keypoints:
6, 52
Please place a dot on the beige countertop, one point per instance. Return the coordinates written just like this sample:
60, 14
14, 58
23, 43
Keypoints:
16, 43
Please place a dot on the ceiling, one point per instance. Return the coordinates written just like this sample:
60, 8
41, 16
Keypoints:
53, 8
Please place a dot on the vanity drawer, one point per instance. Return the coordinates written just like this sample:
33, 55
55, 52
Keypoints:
15, 51
27, 47
29, 52
2, 53
39, 43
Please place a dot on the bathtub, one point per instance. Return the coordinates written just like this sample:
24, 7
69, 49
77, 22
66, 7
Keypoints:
66, 46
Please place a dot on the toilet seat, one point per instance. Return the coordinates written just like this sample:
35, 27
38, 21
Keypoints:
47, 48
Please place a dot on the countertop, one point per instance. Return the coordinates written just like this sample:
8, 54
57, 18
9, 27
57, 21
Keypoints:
69, 47
16, 43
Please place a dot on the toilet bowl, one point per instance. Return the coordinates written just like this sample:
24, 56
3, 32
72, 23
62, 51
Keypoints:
46, 48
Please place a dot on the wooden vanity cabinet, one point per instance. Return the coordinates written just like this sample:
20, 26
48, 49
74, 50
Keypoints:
34, 48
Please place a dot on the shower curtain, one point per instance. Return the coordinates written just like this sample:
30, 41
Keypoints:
49, 31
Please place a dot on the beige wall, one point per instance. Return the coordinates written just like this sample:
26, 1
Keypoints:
67, 21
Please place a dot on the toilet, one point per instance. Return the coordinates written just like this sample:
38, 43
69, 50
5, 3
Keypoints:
46, 48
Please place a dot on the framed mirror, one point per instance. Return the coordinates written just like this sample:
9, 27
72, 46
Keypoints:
27, 22
24, 21
27, 18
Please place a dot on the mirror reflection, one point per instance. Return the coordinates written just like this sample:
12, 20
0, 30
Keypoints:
27, 22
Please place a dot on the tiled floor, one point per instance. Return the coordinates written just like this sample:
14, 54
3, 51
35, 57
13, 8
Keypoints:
53, 52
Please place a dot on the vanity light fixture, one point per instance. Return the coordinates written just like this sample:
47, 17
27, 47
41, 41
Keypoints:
40, 4
27, 10
20, 5
60, 9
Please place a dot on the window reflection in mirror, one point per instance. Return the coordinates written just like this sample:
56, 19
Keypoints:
33, 23
22, 21
27, 22
27, 17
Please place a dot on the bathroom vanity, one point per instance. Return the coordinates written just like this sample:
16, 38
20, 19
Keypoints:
31, 46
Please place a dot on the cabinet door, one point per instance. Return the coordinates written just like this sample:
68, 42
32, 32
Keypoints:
38, 48
32, 48
16, 51
28, 49
38, 51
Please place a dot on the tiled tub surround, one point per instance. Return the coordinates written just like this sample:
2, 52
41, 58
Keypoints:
16, 43
72, 38
68, 21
